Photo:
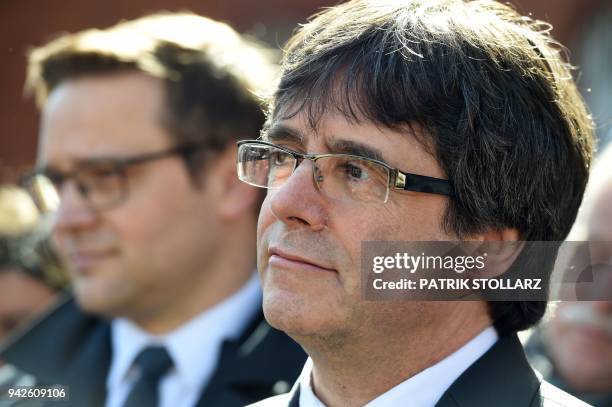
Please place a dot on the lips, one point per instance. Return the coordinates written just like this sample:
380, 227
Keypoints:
84, 260
286, 260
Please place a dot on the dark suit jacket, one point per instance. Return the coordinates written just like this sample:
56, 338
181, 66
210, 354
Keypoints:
67, 347
500, 378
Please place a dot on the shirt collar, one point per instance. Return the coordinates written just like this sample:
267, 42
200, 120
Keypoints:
197, 340
423, 389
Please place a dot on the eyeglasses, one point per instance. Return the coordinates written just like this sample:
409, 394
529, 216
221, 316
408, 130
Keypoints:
339, 176
103, 183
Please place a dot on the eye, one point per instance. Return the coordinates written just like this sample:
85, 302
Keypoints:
280, 158
102, 172
100, 178
355, 171
56, 178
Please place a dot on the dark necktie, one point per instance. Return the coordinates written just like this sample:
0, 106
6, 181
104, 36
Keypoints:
153, 363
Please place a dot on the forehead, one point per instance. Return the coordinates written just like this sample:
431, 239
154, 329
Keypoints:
400, 148
99, 116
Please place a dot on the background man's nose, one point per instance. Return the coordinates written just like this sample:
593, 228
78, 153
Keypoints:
74, 211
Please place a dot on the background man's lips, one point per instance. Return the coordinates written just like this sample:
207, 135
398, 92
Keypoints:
84, 260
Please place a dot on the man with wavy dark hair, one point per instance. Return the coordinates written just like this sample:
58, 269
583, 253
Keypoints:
438, 120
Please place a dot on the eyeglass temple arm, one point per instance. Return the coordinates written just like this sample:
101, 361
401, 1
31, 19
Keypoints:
181, 149
423, 183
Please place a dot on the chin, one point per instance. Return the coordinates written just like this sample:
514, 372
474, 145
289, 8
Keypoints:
95, 297
297, 317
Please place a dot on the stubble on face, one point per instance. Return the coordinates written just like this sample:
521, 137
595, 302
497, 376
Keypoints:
328, 308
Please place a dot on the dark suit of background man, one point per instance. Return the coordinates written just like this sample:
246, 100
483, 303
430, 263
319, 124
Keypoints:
137, 144
462, 123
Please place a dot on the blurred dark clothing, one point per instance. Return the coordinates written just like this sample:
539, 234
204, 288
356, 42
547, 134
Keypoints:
70, 348
10, 377
542, 362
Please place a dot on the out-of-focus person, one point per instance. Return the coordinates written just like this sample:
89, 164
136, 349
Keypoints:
573, 349
137, 157
31, 275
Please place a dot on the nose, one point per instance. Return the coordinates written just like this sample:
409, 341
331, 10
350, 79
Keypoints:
74, 213
298, 201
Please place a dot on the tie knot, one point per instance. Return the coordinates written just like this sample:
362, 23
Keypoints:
154, 361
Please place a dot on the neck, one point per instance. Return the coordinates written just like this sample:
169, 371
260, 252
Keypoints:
360, 371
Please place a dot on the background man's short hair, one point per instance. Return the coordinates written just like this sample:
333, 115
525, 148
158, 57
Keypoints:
214, 77
489, 87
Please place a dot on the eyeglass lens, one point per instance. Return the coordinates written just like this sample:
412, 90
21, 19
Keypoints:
339, 177
101, 186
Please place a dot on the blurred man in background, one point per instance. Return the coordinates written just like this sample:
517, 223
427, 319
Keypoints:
573, 349
137, 156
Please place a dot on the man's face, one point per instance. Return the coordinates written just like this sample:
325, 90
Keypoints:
137, 257
581, 332
309, 246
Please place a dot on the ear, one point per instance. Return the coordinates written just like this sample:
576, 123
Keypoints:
501, 247
235, 198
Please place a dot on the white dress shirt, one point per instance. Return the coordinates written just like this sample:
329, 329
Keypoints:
194, 348
421, 390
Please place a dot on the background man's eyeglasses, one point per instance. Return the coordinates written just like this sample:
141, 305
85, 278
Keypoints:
339, 176
103, 184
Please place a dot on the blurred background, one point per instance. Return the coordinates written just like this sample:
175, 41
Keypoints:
584, 26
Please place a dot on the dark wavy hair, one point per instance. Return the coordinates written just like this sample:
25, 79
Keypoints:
501, 111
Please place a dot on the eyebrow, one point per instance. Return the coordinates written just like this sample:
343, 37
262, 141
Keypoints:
280, 132
343, 146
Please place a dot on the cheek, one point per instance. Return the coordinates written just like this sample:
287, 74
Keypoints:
352, 226
151, 238
160, 204
136, 225
415, 217
265, 218
389, 222
264, 221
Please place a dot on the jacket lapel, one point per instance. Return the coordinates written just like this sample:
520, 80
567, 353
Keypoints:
245, 372
502, 377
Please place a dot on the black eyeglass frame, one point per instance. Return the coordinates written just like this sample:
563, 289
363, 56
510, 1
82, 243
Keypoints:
116, 165
398, 179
